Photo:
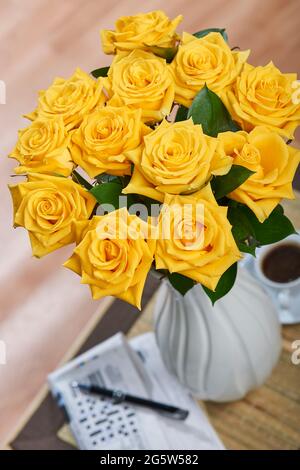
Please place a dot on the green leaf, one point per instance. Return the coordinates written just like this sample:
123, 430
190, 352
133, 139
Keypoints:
250, 234
224, 285
181, 283
222, 185
107, 193
167, 53
106, 178
80, 180
102, 72
204, 32
242, 230
275, 228
208, 110
182, 113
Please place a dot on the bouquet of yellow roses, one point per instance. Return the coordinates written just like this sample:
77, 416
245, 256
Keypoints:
175, 158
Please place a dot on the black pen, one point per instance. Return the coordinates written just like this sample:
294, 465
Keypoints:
118, 397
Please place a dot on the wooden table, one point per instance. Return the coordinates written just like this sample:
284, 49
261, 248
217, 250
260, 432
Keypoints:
268, 418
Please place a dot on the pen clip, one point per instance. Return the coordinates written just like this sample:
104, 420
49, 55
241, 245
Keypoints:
118, 396
178, 414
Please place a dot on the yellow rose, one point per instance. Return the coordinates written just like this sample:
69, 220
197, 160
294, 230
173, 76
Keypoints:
208, 60
70, 98
114, 255
177, 158
195, 238
43, 148
47, 206
100, 143
274, 163
141, 80
139, 31
263, 96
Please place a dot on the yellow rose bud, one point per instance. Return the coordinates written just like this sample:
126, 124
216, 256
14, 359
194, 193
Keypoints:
114, 255
177, 158
273, 162
47, 206
101, 142
141, 80
135, 32
195, 238
264, 96
43, 148
70, 98
208, 60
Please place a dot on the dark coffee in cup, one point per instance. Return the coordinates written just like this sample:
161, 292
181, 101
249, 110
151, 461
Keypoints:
282, 263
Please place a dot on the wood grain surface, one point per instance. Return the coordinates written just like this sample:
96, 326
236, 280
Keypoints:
43, 307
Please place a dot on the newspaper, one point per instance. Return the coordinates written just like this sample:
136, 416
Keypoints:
136, 368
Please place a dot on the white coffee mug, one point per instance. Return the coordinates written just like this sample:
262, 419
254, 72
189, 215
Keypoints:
286, 291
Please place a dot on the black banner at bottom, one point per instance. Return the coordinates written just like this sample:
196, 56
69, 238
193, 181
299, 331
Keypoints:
135, 459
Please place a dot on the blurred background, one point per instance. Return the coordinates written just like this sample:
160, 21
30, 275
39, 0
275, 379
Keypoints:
43, 307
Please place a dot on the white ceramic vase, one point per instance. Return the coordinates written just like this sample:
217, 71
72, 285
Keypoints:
222, 352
